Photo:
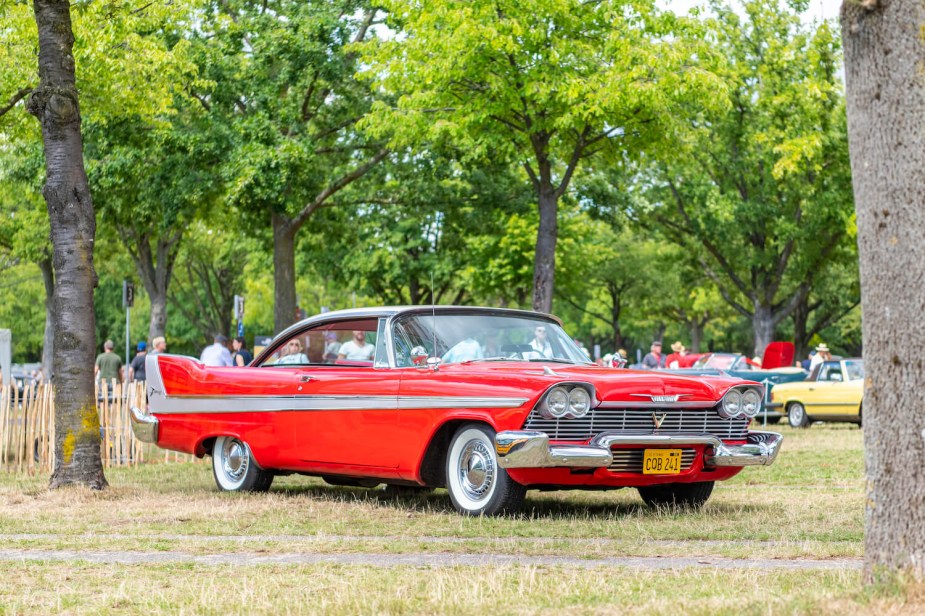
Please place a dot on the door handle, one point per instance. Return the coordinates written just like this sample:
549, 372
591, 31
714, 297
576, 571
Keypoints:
305, 378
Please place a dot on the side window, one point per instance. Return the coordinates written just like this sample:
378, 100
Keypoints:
354, 343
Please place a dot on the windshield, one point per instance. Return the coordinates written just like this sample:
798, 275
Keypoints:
855, 370
717, 361
483, 337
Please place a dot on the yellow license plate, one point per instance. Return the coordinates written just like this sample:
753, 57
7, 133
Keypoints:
661, 462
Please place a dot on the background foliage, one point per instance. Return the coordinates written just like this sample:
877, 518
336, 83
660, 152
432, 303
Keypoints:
203, 119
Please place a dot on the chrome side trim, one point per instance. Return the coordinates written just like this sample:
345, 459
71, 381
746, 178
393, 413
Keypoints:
531, 449
144, 427
270, 404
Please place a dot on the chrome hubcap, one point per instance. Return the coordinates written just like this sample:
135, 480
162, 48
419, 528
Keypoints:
476, 470
796, 414
234, 459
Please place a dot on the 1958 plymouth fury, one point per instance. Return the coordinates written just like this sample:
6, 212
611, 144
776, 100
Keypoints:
484, 402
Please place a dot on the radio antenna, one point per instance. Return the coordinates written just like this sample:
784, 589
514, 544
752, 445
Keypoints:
433, 311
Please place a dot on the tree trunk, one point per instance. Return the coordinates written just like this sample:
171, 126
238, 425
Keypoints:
764, 323
73, 229
884, 56
283, 272
155, 270
800, 335
615, 309
696, 334
544, 263
48, 346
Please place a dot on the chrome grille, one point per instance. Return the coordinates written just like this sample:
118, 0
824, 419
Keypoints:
692, 421
630, 460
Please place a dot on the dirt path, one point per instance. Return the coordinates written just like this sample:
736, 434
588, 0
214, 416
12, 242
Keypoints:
418, 559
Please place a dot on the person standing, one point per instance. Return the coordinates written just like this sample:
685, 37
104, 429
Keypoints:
217, 353
678, 352
356, 349
242, 357
654, 358
822, 355
158, 346
136, 370
108, 364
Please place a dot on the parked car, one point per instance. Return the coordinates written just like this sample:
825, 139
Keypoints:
774, 370
833, 392
484, 402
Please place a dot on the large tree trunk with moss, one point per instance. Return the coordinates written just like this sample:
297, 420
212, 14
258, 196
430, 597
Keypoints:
73, 227
884, 63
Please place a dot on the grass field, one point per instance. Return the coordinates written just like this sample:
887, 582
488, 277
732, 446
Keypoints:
808, 506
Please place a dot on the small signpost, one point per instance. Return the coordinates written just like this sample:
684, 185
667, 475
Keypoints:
128, 300
239, 313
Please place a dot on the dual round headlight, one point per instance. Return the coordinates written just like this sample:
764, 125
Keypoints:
737, 402
564, 401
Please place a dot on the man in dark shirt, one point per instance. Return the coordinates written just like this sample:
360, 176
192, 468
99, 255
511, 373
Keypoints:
136, 370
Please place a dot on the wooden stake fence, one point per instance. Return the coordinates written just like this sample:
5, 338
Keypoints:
27, 428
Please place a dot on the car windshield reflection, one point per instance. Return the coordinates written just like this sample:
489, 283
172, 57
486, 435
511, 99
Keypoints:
465, 338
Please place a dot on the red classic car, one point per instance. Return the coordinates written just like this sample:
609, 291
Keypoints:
485, 402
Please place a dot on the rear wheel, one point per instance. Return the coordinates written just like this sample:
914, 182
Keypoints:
477, 485
235, 469
683, 495
796, 415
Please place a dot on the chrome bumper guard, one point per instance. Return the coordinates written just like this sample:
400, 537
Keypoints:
530, 449
144, 426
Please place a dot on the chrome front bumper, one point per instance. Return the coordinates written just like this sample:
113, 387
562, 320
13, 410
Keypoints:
530, 449
144, 426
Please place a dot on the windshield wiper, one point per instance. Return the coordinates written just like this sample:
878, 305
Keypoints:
557, 360
470, 361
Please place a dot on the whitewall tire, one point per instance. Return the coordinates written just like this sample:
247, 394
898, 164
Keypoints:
235, 469
477, 485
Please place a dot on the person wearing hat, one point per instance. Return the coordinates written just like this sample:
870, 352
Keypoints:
678, 351
136, 370
822, 355
217, 354
654, 358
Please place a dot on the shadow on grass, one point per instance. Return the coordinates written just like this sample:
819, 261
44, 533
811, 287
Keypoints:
536, 507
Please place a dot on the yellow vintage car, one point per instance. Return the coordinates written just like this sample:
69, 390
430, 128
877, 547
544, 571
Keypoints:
832, 392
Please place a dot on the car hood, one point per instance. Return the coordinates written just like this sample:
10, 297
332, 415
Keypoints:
610, 384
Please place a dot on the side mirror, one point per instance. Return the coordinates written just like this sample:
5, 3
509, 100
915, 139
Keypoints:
419, 356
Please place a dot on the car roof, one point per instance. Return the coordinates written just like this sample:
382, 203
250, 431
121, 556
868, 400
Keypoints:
393, 311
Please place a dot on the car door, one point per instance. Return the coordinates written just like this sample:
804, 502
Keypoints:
349, 416
825, 394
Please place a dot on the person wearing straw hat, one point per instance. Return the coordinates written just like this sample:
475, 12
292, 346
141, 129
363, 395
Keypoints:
822, 355
678, 351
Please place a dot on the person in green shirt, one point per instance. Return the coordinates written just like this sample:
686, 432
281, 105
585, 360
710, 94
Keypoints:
108, 364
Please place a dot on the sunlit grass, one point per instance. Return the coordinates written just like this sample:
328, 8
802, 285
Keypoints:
809, 505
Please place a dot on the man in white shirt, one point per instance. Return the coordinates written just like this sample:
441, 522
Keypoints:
357, 349
217, 354
464, 350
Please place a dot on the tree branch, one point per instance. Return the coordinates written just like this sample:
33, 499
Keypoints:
339, 184
21, 94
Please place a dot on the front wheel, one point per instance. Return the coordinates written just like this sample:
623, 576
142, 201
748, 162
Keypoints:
477, 485
235, 469
796, 415
684, 495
